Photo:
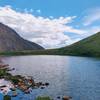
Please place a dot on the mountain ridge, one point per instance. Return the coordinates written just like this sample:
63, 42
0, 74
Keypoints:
89, 46
11, 41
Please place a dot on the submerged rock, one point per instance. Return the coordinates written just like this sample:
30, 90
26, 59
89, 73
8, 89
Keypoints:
66, 98
14, 93
58, 97
42, 87
46, 84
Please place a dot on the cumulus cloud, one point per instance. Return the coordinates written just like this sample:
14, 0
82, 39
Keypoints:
93, 15
44, 31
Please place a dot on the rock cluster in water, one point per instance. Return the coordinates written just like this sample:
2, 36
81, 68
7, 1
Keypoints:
23, 83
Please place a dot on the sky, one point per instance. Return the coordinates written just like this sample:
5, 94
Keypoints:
52, 23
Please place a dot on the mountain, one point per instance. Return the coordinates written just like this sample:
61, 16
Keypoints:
11, 41
87, 47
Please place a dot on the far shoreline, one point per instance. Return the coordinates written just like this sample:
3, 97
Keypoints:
51, 52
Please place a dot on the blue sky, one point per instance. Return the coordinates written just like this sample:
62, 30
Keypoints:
54, 8
68, 20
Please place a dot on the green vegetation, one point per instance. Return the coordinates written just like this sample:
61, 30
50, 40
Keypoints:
7, 97
2, 72
6, 75
32, 52
43, 98
86, 47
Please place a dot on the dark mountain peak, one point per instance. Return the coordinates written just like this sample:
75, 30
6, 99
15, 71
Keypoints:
11, 41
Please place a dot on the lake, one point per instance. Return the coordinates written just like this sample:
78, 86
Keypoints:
78, 77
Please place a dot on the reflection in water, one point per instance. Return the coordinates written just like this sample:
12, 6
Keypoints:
78, 77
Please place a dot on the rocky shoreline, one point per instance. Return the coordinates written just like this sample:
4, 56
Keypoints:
26, 84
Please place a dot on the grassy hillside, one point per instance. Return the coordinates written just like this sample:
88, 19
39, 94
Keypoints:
86, 47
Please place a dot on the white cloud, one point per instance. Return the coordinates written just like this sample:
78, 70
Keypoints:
44, 31
93, 15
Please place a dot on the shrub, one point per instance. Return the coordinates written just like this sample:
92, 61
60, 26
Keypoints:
7, 97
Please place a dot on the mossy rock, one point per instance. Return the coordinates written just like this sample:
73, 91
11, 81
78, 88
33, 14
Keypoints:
43, 98
14, 79
7, 97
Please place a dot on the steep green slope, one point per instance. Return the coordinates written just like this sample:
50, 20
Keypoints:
86, 47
